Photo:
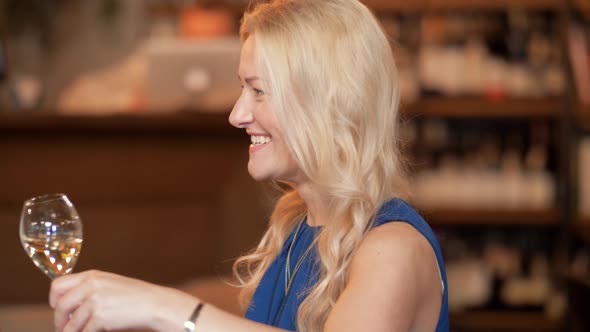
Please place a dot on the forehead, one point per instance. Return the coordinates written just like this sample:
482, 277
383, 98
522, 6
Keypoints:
248, 55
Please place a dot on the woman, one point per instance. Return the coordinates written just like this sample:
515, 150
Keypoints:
341, 253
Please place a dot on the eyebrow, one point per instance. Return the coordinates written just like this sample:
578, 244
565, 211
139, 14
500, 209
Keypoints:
249, 79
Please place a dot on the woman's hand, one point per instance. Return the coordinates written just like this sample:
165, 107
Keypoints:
99, 301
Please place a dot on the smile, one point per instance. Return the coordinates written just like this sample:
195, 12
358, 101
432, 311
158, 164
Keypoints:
259, 140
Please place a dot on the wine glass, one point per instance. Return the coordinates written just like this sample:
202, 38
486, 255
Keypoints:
51, 233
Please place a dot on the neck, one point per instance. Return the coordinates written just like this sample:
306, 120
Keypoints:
317, 214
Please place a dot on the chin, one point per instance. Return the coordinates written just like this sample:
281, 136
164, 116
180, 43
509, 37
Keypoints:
258, 177
257, 174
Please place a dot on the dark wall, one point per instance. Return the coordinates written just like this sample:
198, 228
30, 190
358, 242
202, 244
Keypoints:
162, 199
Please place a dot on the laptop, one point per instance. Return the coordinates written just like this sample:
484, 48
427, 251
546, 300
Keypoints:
193, 75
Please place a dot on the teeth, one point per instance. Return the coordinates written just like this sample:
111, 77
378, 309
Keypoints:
259, 139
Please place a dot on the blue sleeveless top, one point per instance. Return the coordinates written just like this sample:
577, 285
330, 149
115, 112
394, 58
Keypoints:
271, 306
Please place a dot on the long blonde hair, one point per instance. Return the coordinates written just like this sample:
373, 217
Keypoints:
334, 88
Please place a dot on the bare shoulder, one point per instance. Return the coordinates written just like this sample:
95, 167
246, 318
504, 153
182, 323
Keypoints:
393, 240
393, 265
396, 249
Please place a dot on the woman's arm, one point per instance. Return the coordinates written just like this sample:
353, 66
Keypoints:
99, 301
393, 284
213, 319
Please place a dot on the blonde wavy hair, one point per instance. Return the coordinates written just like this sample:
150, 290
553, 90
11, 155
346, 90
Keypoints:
333, 84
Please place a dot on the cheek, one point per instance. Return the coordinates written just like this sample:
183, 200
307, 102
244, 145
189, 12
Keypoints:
288, 159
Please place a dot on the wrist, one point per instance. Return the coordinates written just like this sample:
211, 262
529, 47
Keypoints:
190, 323
171, 316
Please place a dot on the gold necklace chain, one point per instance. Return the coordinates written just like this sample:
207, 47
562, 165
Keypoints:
288, 276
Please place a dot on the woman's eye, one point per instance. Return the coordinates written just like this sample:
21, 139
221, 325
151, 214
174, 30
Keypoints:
258, 92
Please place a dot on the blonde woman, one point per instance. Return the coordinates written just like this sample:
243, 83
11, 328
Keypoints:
342, 251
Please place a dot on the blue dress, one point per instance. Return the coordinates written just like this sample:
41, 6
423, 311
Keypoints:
271, 306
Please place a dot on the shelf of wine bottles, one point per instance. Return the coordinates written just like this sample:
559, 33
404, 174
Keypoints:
481, 217
478, 107
433, 5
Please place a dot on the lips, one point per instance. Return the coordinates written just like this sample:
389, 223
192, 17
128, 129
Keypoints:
258, 141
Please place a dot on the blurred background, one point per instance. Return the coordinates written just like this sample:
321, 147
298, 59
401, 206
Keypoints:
123, 106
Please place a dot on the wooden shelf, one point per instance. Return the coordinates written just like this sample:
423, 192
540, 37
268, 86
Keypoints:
393, 6
478, 217
494, 5
470, 5
498, 321
206, 123
421, 6
381, 6
475, 107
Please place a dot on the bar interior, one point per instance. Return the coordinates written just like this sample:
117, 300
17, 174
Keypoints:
123, 106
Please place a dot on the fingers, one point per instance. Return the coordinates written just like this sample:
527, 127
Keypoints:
63, 284
80, 319
69, 293
94, 301
71, 302
92, 326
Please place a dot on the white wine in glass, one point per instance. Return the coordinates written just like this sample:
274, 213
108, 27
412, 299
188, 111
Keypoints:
51, 233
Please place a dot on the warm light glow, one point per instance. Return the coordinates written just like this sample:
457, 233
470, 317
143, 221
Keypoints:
52, 260
59, 267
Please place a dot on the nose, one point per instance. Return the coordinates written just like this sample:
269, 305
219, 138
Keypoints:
241, 115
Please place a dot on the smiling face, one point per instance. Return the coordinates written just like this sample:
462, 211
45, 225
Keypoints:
270, 157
